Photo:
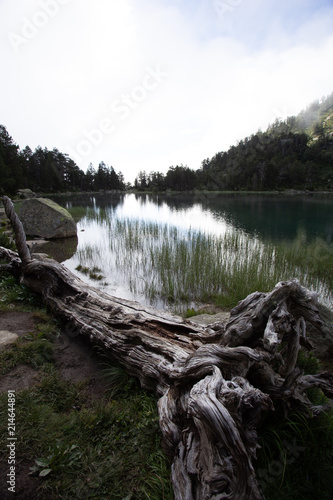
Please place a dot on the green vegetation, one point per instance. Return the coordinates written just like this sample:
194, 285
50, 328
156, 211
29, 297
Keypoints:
17, 293
296, 457
292, 449
50, 171
185, 267
93, 273
83, 448
6, 242
77, 212
314, 257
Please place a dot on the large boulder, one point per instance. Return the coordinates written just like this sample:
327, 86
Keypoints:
46, 219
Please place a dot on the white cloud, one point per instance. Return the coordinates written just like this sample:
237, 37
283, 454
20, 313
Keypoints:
227, 76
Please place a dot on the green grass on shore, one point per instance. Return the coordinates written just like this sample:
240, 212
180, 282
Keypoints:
75, 445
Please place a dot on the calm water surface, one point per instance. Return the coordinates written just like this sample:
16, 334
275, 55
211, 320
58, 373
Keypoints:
265, 218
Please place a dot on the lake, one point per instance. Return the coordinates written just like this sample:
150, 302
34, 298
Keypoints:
137, 246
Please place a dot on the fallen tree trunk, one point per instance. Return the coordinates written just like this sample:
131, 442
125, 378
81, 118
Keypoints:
214, 383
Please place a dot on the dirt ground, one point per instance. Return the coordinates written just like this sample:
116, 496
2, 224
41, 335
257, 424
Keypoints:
74, 358
75, 362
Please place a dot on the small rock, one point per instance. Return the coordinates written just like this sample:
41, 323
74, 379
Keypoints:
39, 256
209, 319
7, 338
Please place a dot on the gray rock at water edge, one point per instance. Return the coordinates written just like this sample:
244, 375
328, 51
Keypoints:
26, 194
44, 218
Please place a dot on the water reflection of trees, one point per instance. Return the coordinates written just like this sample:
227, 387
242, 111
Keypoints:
100, 201
272, 217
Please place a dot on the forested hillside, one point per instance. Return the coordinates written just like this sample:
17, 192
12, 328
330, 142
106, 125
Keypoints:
49, 171
296, 153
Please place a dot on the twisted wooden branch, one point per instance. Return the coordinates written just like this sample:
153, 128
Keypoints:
17, 226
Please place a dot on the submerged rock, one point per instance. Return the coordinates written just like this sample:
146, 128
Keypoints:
44, 218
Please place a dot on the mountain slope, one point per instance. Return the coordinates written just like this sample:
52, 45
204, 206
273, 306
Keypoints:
295, 153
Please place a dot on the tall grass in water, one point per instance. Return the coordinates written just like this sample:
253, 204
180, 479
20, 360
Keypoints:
186, 266
90, 254
315, 259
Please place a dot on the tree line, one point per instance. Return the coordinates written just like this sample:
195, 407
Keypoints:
296, 153
50, 171
178, 178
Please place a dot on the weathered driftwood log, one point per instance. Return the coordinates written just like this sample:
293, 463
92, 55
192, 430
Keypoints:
214, 383
18, 230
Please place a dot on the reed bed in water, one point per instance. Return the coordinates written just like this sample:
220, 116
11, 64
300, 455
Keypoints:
314, 257
92, 254
188, 266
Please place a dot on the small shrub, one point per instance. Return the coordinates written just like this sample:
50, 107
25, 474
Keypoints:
6, 242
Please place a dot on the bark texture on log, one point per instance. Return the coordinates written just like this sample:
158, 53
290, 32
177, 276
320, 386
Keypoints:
18, 230
214, 383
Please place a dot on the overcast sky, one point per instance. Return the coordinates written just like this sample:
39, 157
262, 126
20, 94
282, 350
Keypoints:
147, 84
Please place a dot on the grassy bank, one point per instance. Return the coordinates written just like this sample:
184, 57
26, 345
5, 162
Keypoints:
76, 439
